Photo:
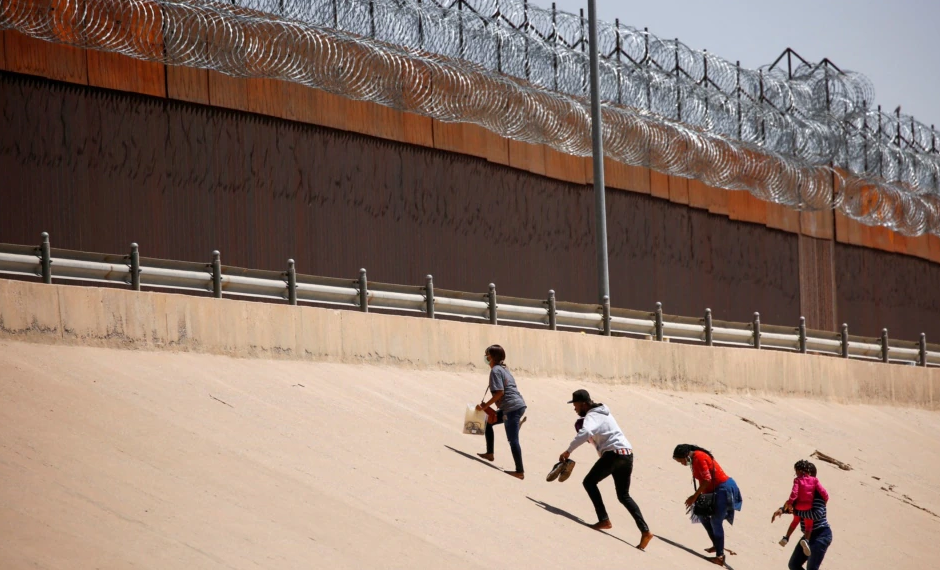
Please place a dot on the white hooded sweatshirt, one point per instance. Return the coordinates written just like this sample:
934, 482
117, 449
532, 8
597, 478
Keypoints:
602, 430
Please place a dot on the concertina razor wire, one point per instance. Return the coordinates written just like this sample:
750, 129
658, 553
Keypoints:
805, 137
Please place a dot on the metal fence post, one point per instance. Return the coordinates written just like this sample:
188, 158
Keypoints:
884, 345
429, 295
363, 291
922, 357
291, 282
45, 258
845, 340
606, 315
552, 319
135, 267
217, 274
756, 330
803, 335
492, 299
709, 341
659, 321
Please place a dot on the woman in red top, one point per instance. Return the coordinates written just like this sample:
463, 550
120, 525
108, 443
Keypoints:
711, 479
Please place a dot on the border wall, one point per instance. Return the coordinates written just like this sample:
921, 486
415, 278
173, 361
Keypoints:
185, 161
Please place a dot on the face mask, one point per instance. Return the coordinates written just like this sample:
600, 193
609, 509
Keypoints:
486, 359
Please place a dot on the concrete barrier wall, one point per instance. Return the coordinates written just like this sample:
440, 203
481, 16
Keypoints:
158, 321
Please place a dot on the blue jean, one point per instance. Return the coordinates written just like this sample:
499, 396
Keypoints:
819, 543
511, 419
714, 525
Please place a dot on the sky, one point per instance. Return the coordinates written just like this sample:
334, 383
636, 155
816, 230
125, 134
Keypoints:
890, 42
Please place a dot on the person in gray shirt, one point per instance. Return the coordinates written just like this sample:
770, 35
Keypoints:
511, 406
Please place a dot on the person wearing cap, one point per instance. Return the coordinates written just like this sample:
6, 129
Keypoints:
616, 459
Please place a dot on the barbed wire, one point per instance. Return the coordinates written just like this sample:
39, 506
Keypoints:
803, 137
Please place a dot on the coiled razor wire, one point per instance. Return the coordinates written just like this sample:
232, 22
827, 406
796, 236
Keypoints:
804, 137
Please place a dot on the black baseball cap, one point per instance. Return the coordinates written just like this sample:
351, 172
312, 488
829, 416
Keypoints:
580, 396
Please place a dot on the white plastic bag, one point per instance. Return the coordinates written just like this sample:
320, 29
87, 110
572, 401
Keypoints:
474, 420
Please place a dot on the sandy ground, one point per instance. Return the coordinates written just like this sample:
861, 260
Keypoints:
132, 459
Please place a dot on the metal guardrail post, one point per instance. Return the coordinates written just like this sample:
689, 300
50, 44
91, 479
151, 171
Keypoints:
845, 340
45, 258
606, 315
922, 356
884, 345
755, 325
291, 282
217, 274
659, 321
708, 328
552, 317
363, 291
803, 335
492, 301
429, 295
135, 267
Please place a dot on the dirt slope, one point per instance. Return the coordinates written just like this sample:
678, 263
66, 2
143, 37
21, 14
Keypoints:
121, 459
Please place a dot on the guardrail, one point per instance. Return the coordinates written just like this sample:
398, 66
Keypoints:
221, 280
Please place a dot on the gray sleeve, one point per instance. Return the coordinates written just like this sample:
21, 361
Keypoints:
497, 382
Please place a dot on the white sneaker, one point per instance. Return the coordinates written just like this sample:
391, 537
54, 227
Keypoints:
805, 546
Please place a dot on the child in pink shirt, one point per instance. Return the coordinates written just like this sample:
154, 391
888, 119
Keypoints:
805, 487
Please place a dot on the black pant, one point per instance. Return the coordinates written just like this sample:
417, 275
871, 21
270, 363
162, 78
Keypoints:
621, 467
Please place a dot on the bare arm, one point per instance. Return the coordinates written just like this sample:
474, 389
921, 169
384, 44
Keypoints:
497, 396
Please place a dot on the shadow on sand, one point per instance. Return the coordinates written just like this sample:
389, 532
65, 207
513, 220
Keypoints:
563, 513
474, 458
689, 550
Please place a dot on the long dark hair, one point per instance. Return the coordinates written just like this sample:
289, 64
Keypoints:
684, 449
498, 354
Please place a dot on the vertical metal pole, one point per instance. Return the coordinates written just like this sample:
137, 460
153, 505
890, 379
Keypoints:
371, 19
845, 340
492, 300
597, 135
216, 274
756, 330
884, 345
709, 341
646, 62
678, 93
135, 267
45, 258
555, 40
525, 26
922, 357
606, 316
552, 317
429, 295
291, 282
659, 322
737, 92
363, 291
803, 335
619, 50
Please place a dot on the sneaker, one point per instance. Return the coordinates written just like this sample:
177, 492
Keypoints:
487, 456
645, 540
805, 546
556, 471
784, 541
602, 525
566, 470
